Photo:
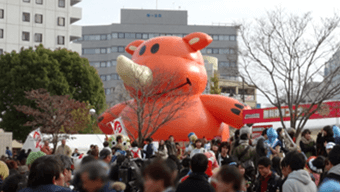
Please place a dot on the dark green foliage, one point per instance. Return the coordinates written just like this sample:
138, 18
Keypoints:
60, 72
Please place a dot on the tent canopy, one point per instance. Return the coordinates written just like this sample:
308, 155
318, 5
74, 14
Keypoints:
16, 144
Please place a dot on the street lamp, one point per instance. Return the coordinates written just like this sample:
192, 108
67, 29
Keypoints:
92, 111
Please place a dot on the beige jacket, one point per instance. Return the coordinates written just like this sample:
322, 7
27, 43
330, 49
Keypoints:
63, 150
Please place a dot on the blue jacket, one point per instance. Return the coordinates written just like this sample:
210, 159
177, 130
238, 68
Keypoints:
46, 188
9, 152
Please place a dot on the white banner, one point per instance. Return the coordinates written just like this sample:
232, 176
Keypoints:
118, 127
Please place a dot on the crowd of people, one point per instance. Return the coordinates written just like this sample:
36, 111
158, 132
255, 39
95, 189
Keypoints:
271, 162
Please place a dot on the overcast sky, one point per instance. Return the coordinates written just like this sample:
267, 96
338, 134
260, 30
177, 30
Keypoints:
203, 12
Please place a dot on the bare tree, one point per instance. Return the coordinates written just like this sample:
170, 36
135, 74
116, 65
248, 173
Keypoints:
283, 55
55, 114
153, 105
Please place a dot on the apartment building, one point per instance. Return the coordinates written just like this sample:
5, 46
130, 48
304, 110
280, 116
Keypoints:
28, 23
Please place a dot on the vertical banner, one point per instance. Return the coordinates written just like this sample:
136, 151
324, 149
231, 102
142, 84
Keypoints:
118, 127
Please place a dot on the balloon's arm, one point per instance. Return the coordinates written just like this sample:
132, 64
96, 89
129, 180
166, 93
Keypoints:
225, 109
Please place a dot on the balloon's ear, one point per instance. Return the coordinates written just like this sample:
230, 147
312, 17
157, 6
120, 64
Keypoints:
131, 47
197, 40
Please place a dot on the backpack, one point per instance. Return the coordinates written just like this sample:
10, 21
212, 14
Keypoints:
135, 153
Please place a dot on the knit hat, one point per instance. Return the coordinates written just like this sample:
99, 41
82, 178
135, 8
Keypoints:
33, 156
4, 171
330, 145
316, 164
245, 130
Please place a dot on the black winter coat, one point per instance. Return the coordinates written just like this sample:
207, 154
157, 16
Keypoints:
195, 182
274, 183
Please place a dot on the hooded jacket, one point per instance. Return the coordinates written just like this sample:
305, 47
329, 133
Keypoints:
299, 181
333, 174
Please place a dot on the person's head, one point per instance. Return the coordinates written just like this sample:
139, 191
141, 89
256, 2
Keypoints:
264, 165
214, 147
7, 147
294, 161
63, 142
328, 164
87, 159
224, 147
237, 134
171, 164
94, 153
334, 155
134, 144
76, 150
148, 140
33, 156
119, 139
13, 183
316, 164
171, 138
46, 142
291, 132
229, 179
198, 143
329, 146
106, 144
279, 131
327, 131
306, 134
178, 146
105, 155
276, 165
241, 168
199, 163
91, 146
186, 162
157, 176
284, 168
93, 175
264, 133
161, 142
44, 170
66, 168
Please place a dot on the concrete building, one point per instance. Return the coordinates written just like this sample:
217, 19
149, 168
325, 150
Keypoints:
28, 23
239, 90
102, 44
331, 66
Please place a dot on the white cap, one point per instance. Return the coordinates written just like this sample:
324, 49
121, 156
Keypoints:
330, 145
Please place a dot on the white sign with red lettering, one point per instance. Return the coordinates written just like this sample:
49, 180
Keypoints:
118, 127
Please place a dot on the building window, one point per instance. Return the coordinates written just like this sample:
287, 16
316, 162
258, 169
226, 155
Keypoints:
215, 37
108, 64
1, 33
114, 49
215, 51
38, 37
232, 37
145, 35
103, 77
114, 35
26, 1
130, 35
103, 51
39, 2
61, 40
61, 3
26, 17
1, 13
121, 35
138, 36
1, 51
61, 21
25, 36
38, 18
114, 62
102, 64
108, 37
103, 37
121, 49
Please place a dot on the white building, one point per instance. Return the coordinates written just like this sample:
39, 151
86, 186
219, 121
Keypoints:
28, 23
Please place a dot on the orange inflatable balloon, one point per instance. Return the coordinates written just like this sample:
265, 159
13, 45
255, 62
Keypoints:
180, 60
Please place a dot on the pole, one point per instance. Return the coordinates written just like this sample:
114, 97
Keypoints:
242, 88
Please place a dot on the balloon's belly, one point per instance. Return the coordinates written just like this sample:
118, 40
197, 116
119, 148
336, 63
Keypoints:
194, 118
